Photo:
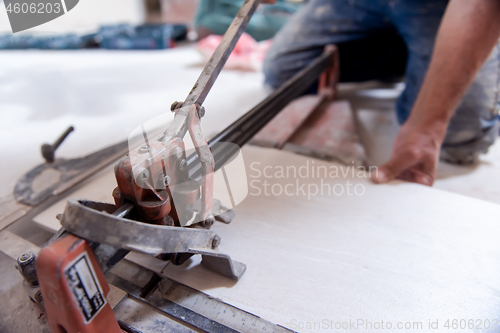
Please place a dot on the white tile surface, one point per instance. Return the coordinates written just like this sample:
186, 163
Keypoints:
395, 253
399, 253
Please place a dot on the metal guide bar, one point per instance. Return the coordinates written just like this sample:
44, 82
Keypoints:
216, 63
216, 309
197, 309
172, 310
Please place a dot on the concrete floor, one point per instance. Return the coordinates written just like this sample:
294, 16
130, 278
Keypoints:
86, 17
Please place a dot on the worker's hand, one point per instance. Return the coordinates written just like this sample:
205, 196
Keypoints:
414, 157
269, 1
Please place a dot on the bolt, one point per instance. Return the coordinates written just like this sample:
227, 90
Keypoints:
142, 175
163, 180
175, 105
201, 111
182, 165
49, 151
177, 152
209, 221
216, 242
38, 297
144, 149
166, 180
26, 258
26, 264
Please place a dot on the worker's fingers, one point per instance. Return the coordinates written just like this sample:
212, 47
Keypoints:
424, 179
393, 168
416, 166
416, 175
425, 172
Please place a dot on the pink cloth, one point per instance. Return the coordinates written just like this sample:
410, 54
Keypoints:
248, 54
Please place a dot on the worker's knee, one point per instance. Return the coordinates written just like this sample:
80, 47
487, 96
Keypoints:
471, 131
467, 152
272, 75
474, 126
280, 65
276, 71
294, 47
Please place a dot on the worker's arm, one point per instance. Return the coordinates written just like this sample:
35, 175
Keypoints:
467, 34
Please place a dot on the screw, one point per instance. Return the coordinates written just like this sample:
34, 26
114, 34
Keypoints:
216, 242
48, 151
177, 152
182, 165
201, 111
175, 105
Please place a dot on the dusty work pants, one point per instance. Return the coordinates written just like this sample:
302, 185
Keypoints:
385, 39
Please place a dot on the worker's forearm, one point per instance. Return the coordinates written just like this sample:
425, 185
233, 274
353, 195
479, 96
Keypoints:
468, 33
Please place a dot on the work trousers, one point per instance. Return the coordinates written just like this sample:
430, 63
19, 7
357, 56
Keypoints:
384, 40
